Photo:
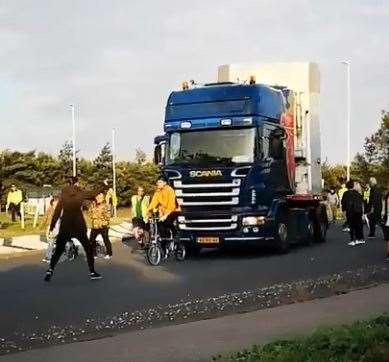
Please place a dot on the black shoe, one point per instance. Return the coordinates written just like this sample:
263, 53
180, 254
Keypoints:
49, 274
95, 276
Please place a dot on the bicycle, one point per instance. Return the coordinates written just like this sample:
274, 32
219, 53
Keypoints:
158, 248
70, 253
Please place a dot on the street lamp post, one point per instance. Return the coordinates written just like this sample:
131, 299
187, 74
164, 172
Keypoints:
114, 169
74, 141
347, 64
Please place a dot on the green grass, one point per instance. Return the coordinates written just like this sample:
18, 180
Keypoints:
363, 341
10, 229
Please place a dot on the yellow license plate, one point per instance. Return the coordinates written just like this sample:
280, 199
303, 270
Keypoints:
208, 240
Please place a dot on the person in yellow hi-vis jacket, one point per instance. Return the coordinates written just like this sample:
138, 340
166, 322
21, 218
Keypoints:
111, 200
341, 192
14, 199
139, 204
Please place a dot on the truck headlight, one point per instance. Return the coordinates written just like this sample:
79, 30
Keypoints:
253, 220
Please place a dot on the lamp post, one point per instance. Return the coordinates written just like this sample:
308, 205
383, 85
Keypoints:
348, 120
73, 141
114, 169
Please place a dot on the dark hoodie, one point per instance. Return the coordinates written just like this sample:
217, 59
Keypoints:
352, 202
69, 209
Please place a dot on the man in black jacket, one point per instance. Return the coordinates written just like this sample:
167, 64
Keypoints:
72, 225
374, 206
352, 204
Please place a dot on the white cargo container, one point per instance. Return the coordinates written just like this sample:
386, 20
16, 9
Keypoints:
303, 79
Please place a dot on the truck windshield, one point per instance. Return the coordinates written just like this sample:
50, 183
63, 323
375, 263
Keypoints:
216, 146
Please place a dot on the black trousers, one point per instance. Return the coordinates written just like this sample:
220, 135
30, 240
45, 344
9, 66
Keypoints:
104, 233
356, 226
14, 209
373, 221
166, 228
60, 245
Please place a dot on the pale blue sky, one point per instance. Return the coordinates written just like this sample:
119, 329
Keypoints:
118, 61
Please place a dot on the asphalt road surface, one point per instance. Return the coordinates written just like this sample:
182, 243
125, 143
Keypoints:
28, 304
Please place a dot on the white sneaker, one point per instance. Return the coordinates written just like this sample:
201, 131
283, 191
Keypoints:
346, 230
352, 243
107, 257
357, 242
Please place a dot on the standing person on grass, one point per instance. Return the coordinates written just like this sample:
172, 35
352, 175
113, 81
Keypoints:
352, 204
385, 222
14, 199
72, 225
374, 206
100, 216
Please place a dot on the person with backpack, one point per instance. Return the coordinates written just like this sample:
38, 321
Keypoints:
352, 204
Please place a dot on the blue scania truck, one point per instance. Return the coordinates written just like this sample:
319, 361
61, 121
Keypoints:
241, 159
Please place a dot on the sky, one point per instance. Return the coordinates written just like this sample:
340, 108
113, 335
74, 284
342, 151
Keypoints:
117, 61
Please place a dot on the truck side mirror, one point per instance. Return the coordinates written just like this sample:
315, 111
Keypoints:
159, 153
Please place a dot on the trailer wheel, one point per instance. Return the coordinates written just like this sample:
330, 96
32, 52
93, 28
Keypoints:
282, 242
321, 226
310, 233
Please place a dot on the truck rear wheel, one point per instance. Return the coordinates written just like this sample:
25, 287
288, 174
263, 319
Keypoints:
281, 239
321, 226
310, 237
321, 231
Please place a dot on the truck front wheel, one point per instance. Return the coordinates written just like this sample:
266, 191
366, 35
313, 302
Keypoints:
281, 239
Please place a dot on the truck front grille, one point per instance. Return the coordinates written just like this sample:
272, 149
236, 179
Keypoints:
213, 223
208, 194
194, 196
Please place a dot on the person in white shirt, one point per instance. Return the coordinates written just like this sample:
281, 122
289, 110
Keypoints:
334, 202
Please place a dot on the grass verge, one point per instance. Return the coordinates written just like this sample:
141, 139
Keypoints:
366, 341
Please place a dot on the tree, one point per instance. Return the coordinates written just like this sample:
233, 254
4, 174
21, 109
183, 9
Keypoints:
375, 159
102, 165
333, 175
31, 170
140, 156
65, 159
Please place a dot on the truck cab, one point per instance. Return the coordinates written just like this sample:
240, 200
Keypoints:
228, 151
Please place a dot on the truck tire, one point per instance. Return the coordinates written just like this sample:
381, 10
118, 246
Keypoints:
281, 238
321, 226
310, 238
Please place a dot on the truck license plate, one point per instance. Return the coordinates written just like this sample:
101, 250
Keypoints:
208, 240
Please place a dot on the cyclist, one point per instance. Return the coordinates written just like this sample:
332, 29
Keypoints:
164, 199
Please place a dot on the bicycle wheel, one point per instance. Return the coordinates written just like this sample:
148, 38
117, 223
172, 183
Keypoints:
100, 250
70, 251
180, 252
154, 254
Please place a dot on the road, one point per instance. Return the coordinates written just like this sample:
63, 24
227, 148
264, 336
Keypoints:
27, 304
